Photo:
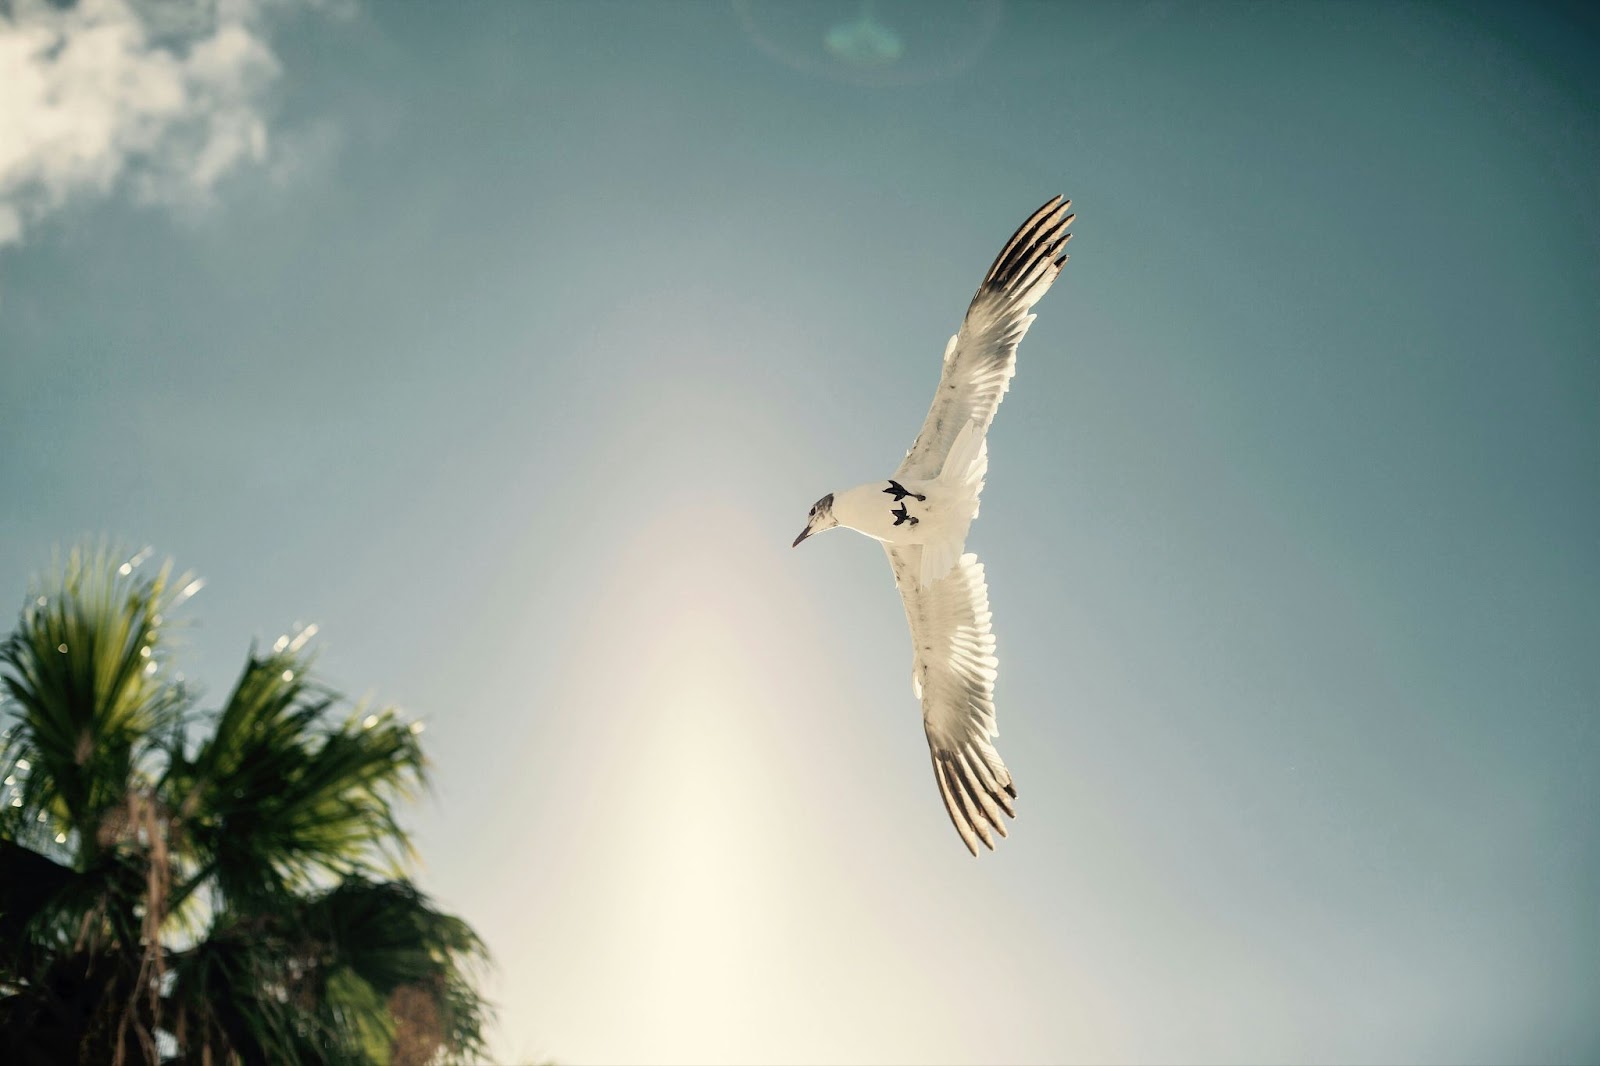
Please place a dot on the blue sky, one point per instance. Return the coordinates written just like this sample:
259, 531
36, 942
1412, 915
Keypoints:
510, 343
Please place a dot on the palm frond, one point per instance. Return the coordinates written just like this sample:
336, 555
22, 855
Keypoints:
388, 938
281, 795
82, 675
366, 968
176, 894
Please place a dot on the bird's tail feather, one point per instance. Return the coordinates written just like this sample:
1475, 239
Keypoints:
963, 474
968, 459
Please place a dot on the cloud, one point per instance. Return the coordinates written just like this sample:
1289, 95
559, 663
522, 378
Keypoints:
158, 99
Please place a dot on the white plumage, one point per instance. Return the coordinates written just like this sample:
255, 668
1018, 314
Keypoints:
922, 514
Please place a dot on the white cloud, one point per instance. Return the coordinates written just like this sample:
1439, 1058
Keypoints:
160, 99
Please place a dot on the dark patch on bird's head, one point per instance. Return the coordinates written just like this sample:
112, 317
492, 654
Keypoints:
820, 518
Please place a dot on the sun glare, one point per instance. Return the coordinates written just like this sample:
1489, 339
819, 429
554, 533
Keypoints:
679, 879
709, 904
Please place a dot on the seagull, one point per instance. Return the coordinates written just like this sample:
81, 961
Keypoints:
922, 514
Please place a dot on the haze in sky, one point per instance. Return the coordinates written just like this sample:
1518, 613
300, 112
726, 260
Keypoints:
510, 343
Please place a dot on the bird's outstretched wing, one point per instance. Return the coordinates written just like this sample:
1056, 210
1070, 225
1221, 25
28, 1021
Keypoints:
980, 360
952, 672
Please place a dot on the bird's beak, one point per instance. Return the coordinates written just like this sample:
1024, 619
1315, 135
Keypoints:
804, 533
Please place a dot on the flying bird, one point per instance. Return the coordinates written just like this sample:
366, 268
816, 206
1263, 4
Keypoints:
921, 516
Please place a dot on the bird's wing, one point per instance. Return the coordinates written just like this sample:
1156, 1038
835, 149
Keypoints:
980, 360
953, 670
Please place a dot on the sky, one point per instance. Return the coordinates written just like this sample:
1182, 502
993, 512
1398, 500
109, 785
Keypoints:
511, 342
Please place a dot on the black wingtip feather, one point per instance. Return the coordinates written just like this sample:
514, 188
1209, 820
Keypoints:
970, 807
1023, 232
1030, 252
964, 792
967, 836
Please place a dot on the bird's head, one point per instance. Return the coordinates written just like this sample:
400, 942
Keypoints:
821, 518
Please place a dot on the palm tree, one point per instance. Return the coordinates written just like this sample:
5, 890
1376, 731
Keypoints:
207, 888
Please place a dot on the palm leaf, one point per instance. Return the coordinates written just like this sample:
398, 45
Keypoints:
149, 893
279, 795
354, 972
81, 671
